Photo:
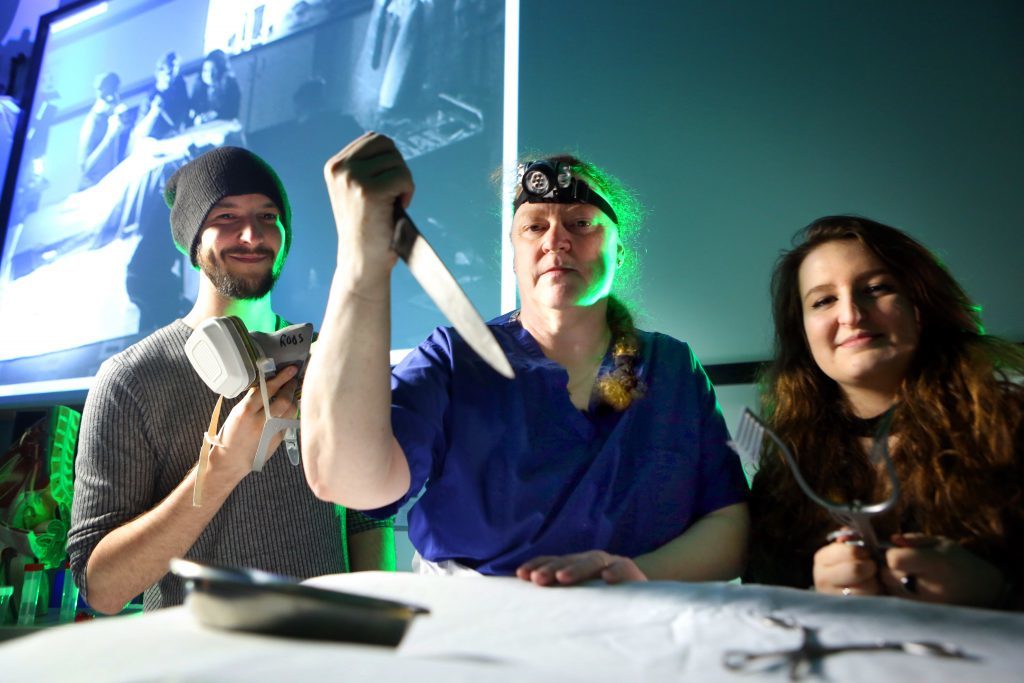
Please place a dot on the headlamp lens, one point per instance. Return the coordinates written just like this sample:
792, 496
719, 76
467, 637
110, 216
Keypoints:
536, 181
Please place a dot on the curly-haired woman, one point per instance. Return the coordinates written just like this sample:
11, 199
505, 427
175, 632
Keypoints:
868, 320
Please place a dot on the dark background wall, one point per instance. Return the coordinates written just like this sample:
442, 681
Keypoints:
739, 122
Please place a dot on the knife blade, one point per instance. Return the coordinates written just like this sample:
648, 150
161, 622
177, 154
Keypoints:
439, 284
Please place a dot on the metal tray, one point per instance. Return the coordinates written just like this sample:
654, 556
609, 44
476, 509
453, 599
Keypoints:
250, 600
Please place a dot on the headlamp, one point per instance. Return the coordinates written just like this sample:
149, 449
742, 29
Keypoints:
547, 181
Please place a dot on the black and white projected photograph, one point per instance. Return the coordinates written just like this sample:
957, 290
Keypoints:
124, 92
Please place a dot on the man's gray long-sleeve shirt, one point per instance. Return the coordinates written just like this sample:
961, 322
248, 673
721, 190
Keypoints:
141, 432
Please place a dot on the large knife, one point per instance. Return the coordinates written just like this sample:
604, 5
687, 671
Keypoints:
428, 269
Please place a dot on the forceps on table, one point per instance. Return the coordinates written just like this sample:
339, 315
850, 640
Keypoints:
806, 659
856, 515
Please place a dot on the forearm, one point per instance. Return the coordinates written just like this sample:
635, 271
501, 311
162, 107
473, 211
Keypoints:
103, 148
145, 127
350, 452
135, 555
373, 549
712, 549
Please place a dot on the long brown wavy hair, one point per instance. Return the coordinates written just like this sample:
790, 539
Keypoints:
959, 420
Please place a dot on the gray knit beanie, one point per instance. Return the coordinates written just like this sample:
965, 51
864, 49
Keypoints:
198, 185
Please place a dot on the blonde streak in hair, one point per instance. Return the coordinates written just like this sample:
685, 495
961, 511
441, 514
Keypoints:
613, 393
620, 387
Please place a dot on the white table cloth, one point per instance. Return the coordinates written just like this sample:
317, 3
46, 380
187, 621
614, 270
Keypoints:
489, 629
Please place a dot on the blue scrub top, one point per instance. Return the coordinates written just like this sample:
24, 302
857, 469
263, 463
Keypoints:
513, 470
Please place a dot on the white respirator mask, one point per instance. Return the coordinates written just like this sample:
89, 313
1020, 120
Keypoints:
230, 360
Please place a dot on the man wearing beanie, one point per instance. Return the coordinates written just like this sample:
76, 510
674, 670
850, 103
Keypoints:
144, 419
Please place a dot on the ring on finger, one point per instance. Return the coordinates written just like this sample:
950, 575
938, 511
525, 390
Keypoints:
846, 591
909, 583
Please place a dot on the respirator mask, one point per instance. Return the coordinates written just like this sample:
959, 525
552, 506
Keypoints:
230, 360
548, 181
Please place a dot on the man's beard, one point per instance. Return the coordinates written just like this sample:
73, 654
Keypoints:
236, 286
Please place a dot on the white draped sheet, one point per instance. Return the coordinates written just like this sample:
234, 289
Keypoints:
489, 629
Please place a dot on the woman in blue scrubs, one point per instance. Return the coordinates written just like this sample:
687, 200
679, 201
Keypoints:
605, 457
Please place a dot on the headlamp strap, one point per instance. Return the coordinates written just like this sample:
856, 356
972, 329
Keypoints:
583, 193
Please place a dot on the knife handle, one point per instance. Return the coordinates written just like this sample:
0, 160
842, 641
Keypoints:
405, 232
